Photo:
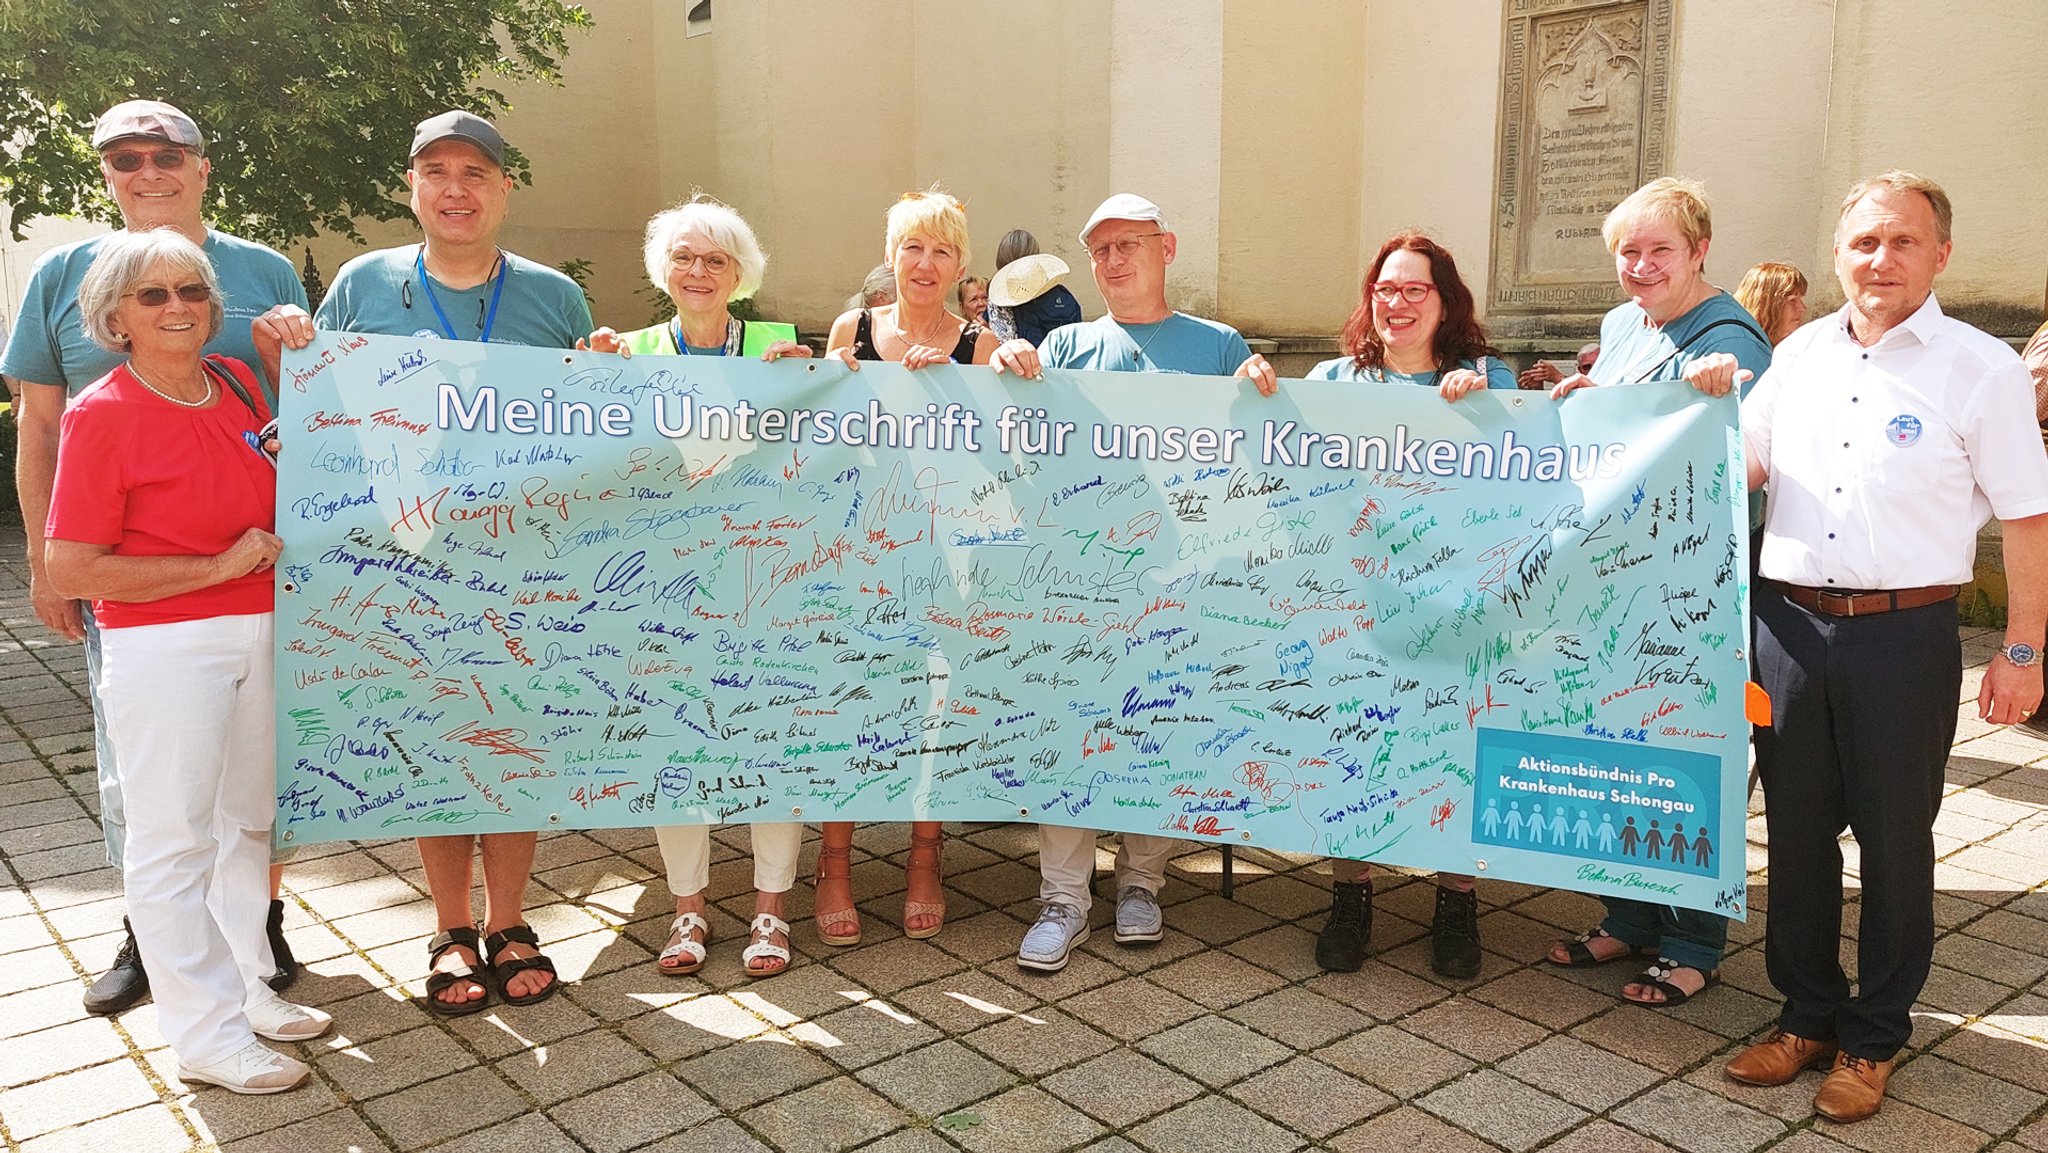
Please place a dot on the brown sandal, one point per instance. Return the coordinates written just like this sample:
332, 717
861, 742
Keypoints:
911, 865
836, 926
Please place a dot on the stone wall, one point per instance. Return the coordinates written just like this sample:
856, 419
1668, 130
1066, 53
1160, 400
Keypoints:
1285, 138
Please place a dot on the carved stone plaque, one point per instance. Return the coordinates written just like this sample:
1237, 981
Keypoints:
1585, 120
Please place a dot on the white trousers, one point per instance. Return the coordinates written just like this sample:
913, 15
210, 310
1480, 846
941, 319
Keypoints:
191, 708
1066, 863
686, 854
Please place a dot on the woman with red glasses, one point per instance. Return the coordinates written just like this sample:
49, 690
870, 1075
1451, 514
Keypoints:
162, 515
1415, 324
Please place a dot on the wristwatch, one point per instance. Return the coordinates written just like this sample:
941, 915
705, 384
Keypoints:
2022, 655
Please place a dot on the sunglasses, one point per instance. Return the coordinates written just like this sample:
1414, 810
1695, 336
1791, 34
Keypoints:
156, 296
165, 159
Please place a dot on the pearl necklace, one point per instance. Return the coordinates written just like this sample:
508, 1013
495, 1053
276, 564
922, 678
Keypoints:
202, 402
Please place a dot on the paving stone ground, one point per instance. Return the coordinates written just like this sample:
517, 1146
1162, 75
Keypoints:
1221, 1037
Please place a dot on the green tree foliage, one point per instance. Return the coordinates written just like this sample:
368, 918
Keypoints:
307, 105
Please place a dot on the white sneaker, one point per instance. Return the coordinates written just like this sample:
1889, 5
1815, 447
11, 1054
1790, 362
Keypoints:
1047, 943
278, 1019
256, 1069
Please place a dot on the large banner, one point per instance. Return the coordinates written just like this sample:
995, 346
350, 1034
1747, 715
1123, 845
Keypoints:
528, 589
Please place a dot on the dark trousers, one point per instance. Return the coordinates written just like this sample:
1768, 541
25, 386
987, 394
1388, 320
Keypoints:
1863, 711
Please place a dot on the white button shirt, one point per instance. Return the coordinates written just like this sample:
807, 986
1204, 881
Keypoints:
1883, 462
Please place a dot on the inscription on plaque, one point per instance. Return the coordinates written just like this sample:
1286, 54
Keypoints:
1583, 124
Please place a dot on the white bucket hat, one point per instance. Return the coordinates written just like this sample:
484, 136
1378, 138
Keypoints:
1026, 279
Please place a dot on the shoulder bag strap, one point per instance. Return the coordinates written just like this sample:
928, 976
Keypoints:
1694, 339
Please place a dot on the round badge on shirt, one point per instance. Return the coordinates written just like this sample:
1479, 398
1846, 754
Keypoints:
1903, 430
426, 332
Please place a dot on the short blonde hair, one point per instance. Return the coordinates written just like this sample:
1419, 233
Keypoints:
726, 228
120, 261
1767, 289
931, 213
1899, 180
1672, 199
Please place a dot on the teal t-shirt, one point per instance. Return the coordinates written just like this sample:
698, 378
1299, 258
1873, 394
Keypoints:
49, 345
1180, 343
378, 292
1633, 351
1344, 368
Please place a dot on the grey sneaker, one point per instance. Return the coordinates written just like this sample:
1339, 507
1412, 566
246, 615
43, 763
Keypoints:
1137, 916
1046, 944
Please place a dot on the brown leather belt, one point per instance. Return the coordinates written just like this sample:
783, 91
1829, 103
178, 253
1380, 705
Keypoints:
1845, 603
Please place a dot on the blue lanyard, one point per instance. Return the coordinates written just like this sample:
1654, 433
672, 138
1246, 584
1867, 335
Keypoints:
419, 264
732, 344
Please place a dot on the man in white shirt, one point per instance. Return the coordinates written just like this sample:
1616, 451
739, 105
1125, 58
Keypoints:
1888, 433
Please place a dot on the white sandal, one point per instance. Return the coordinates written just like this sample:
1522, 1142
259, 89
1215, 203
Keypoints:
763, 929
681, 944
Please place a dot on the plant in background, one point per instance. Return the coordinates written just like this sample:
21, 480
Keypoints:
10, 505
310, 280
579, 270
306, 104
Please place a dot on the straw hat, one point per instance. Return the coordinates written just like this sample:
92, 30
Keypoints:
1025, 279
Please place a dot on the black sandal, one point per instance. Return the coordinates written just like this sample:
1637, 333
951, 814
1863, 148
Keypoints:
1658, 976
511, 967
1583, 958
459, 937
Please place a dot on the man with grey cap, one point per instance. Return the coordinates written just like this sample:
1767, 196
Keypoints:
153, 159
457, 284
1129, 246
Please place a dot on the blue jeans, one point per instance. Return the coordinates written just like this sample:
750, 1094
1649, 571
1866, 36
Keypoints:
1686, 937
113, 816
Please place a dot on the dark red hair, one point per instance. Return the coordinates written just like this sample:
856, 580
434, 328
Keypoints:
1459, 337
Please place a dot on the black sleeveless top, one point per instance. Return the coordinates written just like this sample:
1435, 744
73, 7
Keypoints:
864, 340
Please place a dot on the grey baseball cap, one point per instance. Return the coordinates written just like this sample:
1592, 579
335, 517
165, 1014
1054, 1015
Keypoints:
458, 125
146, 120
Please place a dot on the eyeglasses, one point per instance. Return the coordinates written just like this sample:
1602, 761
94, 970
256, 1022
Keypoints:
165, 159
1413, 291
156, 296
1126, 247
714, 263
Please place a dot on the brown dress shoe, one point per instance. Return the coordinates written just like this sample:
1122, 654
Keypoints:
1854, 1090
1778, 1058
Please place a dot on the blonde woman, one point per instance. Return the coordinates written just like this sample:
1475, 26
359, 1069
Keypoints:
1775, 294
925, 249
